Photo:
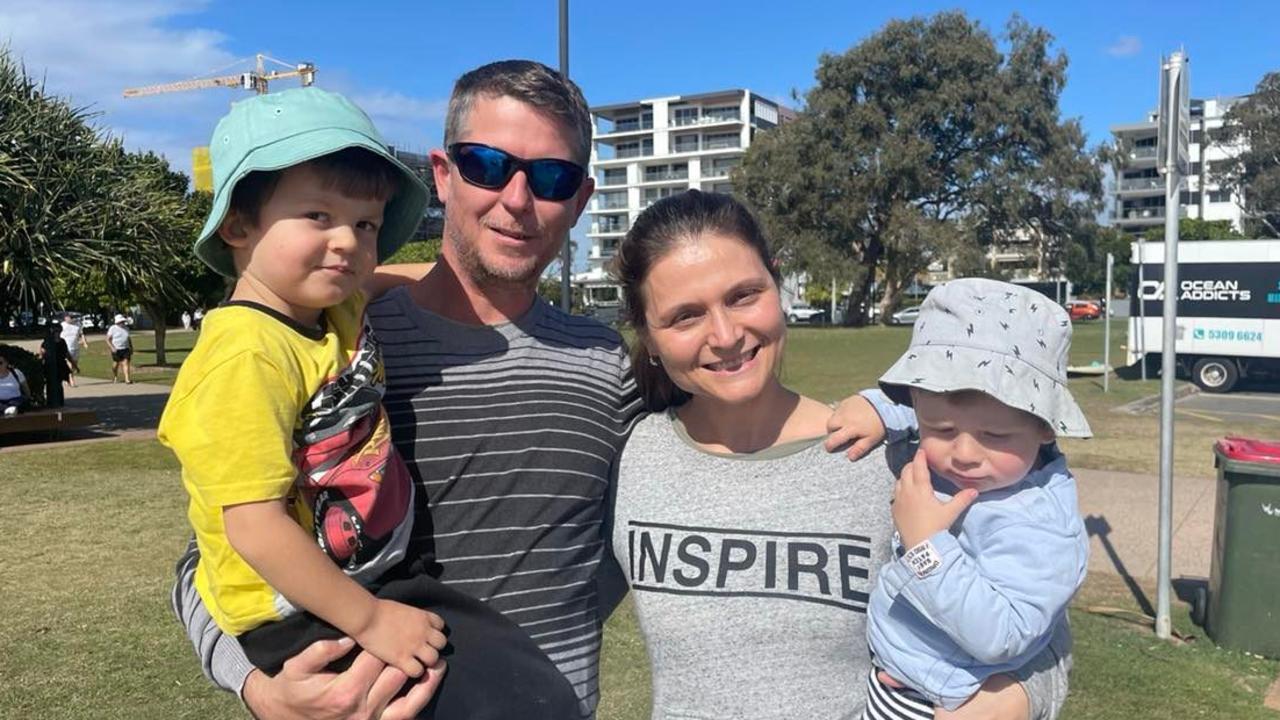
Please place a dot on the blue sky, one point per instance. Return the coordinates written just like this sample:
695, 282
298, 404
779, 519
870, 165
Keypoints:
399, 59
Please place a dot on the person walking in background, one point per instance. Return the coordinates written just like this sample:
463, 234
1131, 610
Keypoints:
186, 320
121, 347
57, 366
73, 336
196, 318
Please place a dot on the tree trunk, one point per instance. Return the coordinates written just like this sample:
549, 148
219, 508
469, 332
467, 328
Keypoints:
157, 311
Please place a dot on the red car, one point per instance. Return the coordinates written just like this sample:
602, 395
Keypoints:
1084, 310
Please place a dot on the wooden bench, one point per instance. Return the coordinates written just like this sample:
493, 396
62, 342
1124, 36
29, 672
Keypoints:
51, 420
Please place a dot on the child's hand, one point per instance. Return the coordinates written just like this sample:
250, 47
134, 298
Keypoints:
403, 636
917, 512
854, 421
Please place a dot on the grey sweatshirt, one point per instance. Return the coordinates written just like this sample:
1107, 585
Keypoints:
751, 573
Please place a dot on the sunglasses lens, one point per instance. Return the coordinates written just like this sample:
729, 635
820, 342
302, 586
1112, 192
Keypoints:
485, 166
554, 179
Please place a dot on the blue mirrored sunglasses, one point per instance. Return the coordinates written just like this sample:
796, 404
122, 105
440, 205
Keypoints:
491, 168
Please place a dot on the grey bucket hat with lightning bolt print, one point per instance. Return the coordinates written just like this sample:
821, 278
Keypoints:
1004, 340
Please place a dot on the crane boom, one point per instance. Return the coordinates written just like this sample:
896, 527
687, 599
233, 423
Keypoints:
256, 80
183, 85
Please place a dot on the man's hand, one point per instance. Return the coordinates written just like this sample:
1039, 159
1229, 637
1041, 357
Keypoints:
999, 698
854, 423
403, 636
305, 690
917, 512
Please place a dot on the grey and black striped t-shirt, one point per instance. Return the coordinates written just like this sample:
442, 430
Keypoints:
510, 432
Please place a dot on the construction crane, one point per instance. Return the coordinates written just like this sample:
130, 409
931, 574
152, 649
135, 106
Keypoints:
255, 80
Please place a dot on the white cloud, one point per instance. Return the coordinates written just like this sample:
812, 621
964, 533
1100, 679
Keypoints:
389, 104
1125, 46
91, 50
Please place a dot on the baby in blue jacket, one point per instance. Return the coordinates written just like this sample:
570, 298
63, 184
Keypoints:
990, 544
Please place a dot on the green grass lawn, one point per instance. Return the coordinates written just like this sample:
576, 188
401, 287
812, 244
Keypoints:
85, 629
95, 360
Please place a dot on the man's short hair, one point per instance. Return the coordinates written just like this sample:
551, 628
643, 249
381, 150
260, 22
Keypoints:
531, 83
354, 172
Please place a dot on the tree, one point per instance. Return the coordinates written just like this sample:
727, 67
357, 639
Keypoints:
54, 190
924, 141
1197, 229
1253, 127
1085, 260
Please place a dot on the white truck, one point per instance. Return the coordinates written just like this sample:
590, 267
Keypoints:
1228, 309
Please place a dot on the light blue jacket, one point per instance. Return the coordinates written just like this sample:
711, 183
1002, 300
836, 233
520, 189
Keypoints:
1010, 566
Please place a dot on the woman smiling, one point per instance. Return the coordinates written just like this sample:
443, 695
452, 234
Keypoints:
751, 551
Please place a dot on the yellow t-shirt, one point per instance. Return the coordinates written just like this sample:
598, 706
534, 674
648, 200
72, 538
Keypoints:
265, 409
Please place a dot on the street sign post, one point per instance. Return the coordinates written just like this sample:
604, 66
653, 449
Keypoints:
1172, 154
566, 253
1106, 332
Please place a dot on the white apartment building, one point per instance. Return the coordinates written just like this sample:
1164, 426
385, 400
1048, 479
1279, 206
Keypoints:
650, 149
1138, 194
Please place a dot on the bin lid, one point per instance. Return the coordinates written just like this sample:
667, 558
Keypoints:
1249, 450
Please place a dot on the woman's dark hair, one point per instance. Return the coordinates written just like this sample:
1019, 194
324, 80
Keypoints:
662, 227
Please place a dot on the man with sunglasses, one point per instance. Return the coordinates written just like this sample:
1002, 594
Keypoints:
508, 411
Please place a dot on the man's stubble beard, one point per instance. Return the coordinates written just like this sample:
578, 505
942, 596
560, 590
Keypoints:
472, 265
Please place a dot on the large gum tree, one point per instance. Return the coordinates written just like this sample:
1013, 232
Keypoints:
929, 140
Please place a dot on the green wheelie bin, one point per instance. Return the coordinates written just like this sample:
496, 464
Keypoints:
1244, 580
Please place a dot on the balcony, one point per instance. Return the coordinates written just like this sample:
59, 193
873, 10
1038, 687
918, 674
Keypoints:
632, 125
721, 143
636, 152
1140, 184
611, 180
610, 224
666, 175
1142, 154
611, 203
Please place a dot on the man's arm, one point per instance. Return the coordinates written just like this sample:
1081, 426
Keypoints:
303, 689
387, 277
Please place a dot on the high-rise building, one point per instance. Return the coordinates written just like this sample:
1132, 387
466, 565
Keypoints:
650, 149
1138, 195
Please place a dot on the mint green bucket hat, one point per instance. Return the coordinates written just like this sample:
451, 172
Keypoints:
280, 130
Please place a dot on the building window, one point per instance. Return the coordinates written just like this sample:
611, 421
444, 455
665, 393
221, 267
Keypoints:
684, 143
653, 195
677, 171
719, 141
722, 114
611, 200
625, 150
614, 176
1219, 196
681, 116
611, 224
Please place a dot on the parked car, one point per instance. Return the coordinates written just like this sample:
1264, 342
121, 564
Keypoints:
804, 313
1084, 309
905, 317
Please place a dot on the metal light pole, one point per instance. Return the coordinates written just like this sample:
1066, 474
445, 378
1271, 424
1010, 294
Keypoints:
1174, 122
1142, 314
1106, 330
566, 255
